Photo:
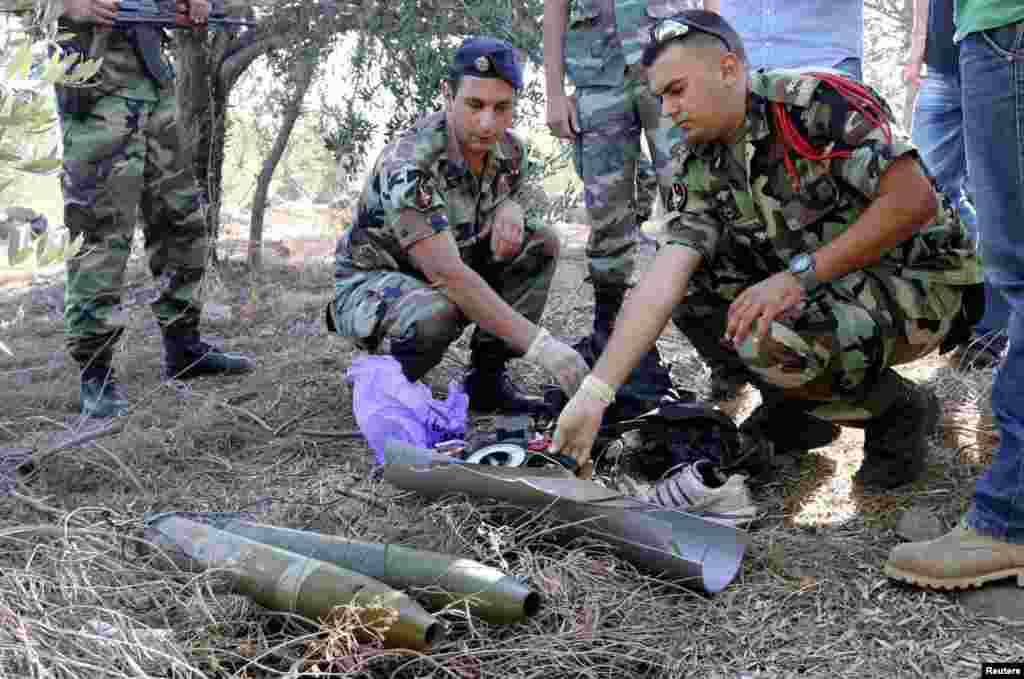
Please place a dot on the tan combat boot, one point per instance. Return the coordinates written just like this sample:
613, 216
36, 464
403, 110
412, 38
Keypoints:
960, 559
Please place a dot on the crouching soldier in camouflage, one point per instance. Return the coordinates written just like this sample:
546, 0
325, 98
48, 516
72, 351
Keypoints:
809, 250
440, 240
122, 152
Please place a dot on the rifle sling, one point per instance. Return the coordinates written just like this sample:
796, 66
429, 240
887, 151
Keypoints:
147, 42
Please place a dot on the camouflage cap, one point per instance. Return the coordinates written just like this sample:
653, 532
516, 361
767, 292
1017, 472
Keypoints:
488, 58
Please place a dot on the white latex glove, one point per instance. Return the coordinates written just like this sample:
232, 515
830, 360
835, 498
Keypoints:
560, 360
581, 420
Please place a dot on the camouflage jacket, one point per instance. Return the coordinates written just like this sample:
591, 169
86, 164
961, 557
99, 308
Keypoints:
124, 72
739, 207
606, 36
420, 186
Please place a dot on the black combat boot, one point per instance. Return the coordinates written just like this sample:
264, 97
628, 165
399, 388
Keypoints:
186, 356
726, 383
650, 380
607, 302
100, 394
789, 427
489, 387
896, 442
494, 392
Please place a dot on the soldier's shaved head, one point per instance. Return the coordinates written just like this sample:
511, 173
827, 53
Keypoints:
708, 48
700, 28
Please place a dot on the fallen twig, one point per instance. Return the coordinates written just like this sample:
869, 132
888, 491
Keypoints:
297, 418
248, 413
87, 436
37, 505
335, 434
373, 502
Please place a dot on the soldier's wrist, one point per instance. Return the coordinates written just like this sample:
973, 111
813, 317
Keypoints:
533, 352
803, 267
597, 389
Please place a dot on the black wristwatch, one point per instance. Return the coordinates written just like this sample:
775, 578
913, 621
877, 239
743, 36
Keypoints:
802, 266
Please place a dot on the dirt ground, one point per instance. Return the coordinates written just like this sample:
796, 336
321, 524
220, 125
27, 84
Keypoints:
811, 600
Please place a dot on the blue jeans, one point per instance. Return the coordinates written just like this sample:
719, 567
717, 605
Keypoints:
939, 135
992, 74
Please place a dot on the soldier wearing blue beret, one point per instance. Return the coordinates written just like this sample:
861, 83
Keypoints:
488, 58
440, 239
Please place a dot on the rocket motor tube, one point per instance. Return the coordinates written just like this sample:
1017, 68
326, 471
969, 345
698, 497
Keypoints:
285, 581
490, 593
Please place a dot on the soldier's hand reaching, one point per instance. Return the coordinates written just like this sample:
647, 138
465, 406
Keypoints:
762, 303
99, 12
561, 115
560, 361
580, 420
507, 230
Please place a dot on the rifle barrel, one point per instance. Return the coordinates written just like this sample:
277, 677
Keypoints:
172, 22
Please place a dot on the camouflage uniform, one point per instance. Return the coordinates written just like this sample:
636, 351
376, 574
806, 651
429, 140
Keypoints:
740, 209
122, 152
604, 44
421, 186
646, 189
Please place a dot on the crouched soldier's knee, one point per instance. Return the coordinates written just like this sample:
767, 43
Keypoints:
424, 342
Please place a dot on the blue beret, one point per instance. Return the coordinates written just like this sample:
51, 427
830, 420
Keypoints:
488, 58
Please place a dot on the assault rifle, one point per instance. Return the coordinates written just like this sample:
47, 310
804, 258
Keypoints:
164, 14
159, 14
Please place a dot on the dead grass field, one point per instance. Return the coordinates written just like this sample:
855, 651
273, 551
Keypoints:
811, 600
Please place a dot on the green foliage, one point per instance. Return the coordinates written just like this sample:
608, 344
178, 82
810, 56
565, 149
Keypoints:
26, 115
412, 50
306, 160
39, 253
404, 52
347, 133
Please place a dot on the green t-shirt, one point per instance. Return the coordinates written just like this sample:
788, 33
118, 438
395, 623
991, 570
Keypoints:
972, 16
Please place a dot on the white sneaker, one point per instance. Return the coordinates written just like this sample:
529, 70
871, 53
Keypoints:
698, 489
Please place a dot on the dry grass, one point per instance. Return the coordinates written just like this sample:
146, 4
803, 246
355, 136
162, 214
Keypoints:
77, 600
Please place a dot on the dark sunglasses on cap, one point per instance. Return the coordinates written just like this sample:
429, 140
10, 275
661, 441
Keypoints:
678, 27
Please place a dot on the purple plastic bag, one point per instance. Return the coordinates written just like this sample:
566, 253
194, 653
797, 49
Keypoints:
389, 406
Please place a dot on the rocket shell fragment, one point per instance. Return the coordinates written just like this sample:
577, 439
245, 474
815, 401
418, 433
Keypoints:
441, 580
285, 581
699, 552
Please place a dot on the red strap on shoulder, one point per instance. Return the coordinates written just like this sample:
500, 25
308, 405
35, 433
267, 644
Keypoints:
858, 96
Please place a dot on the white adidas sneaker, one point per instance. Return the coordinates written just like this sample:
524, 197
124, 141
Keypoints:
698, 489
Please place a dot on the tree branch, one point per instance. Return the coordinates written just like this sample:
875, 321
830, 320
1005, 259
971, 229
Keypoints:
234, 65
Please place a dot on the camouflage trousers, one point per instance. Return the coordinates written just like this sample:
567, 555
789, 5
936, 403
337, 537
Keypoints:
608, 156
831, 352
646, 189
392, 312
122, 156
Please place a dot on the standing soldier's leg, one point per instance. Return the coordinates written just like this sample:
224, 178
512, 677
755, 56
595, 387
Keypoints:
646, 190
102, 183
174, 217
607, 151
646, 198
523, 282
